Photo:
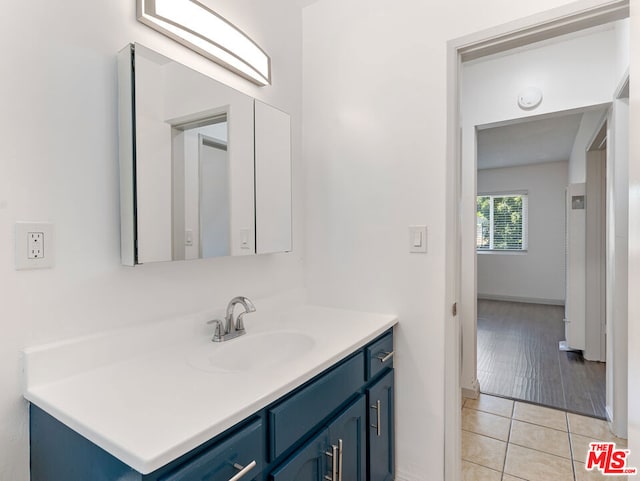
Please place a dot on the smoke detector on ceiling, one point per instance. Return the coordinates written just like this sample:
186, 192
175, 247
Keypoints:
529, 98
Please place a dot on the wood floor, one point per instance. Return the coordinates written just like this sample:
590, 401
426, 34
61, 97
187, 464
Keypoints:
518, 358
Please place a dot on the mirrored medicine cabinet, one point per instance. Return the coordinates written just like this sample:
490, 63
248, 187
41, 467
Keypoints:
205, 170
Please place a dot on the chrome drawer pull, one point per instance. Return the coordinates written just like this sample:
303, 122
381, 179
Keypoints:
340, 464
243, 470
385, 356
333, 454
376, 406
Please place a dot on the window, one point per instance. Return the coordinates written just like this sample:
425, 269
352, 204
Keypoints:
501, 223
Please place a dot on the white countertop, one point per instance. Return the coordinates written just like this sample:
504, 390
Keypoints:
136, 394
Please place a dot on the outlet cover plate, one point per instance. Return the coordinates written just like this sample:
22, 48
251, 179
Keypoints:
22, 245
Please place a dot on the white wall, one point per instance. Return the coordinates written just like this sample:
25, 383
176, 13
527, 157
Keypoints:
538, 274
61, 83
375, 110
575, 73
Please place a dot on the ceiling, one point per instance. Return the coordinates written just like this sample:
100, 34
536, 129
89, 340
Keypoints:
532, 142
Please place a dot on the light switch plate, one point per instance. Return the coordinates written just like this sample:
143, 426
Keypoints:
418, 239
34, 245
188, 237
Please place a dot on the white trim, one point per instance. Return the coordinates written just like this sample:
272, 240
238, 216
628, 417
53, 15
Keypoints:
472, 392
406, 476
565, 19
528, 300
543, 26
622, 90
503, 193
452, 465
511, 252
594, 143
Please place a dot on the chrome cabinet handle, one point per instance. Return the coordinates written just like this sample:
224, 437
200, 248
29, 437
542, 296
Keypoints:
243, 470
340, 463
376, 406
385, 356
333, 454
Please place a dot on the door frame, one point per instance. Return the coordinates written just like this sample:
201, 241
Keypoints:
545, 25
596, 244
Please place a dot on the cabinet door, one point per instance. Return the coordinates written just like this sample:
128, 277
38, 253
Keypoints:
310, 463
380, 455
348, 432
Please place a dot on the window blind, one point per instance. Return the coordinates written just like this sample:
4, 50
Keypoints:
501, 222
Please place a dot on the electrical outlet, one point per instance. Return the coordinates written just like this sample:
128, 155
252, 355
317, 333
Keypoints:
34, 245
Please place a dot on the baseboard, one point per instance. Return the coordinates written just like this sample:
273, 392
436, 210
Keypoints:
609, 416
406, 476
528, 300
471, 392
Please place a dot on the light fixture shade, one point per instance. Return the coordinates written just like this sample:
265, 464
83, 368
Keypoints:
204, 31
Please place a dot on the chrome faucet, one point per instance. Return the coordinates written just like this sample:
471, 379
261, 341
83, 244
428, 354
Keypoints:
232, 328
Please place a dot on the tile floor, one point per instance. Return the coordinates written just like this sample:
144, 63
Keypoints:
504, 440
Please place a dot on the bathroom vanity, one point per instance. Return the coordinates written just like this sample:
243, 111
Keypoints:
304, 395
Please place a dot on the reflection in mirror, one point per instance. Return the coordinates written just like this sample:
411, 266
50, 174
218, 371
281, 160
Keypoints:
273, 179
192, 163
201, 189
205, 171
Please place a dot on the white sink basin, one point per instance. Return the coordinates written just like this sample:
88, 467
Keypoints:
251, 352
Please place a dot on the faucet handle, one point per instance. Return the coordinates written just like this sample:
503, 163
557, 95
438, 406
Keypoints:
218, 333
240, 321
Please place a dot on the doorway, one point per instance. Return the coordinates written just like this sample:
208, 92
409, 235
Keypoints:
462, 185
530, 247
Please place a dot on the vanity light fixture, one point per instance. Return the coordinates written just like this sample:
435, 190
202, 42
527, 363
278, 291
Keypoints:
201, 29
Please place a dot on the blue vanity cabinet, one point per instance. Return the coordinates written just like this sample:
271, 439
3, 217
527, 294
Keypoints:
380, 435
349, 433
337, 452
290, 419
60, 454
348, 409
309, 463
379, 355
240, 456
